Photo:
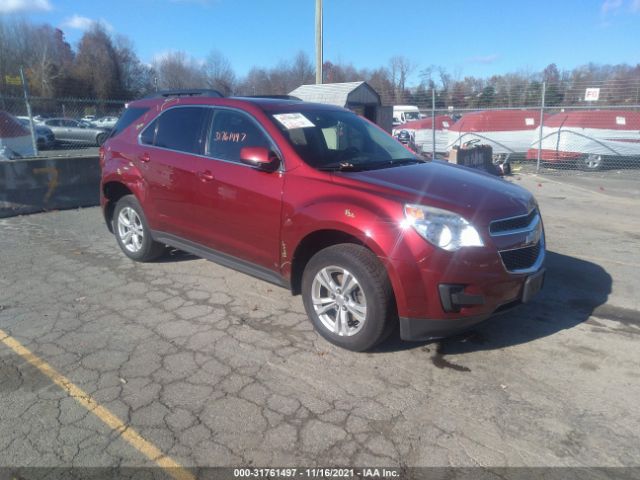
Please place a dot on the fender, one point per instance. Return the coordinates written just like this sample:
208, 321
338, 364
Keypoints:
125, 171
374, 229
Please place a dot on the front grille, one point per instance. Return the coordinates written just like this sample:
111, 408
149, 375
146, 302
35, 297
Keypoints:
515, 223
520, 258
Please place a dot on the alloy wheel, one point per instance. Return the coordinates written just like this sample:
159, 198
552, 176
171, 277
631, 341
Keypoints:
130, 229
339, 301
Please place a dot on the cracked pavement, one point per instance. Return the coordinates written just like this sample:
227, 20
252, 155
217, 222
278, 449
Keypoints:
216, 368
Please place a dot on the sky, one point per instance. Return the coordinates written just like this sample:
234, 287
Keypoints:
467, 37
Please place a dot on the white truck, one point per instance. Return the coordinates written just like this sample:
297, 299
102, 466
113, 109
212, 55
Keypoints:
405, 113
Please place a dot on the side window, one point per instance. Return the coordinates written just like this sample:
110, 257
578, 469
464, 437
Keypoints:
148, 136
181, 129
230, 131
69, 124
52, 123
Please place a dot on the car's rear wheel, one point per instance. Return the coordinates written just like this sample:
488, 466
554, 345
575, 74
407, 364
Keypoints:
348, 296
591, 162
132, 231
101, 138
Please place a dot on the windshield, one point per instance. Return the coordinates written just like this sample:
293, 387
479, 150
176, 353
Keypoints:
411, 116
329, 139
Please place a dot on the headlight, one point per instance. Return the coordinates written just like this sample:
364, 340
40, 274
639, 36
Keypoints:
442, 228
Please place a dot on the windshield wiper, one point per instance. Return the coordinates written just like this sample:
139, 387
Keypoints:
407, 161
341, 167
396, 162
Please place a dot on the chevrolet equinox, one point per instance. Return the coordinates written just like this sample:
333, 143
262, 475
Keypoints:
323, 202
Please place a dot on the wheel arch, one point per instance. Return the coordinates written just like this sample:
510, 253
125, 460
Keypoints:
319, 239
113, 191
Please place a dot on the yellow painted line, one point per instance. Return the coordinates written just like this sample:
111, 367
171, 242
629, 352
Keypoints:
145, 447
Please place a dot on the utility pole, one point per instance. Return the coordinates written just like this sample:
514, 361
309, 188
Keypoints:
318, 41
542, 101
433, 123
32, 127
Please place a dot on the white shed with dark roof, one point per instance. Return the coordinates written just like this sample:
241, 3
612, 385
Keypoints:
359, 97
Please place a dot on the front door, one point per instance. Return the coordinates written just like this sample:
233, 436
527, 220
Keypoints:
245, 219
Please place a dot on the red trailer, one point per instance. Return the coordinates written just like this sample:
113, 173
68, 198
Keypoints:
509, 132
589, 138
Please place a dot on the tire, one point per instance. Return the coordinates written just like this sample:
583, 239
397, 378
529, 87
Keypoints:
591, 162
362, 330
136, 242
101, 138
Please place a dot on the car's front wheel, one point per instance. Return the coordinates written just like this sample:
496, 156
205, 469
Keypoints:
132, 231
101, 138
348, 296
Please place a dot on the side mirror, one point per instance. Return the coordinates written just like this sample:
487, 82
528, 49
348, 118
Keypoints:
260, 157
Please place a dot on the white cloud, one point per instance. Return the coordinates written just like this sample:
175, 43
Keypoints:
484, 59
79, 22
611, 6
16, 6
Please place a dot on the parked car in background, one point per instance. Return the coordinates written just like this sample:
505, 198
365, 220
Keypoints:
45, 138
88, 118
41, 117
314, 198
105, 122
68, 130
15, 139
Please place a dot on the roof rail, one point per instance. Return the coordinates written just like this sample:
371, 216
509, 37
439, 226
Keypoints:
277, 97
191, 92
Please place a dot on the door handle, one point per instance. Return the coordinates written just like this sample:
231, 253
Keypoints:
206, 176
144, 157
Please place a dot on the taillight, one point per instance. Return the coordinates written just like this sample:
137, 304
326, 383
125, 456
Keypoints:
101, 154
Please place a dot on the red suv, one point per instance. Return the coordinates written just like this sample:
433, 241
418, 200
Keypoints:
321, 201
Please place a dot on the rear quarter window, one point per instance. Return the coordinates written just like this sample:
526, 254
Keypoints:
127, 118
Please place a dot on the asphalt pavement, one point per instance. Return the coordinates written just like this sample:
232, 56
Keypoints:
103, 360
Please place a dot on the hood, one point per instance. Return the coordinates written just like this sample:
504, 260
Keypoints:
477, 196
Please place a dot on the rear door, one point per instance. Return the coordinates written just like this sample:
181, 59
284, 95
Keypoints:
244, 220
170, 159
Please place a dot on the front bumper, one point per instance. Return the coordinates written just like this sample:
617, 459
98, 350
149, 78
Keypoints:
418, 329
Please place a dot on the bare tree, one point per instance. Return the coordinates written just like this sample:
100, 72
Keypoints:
96, 65
106, 68
14, 48
255, 83
51, 60
178, 70
400, 68
279, 80
136, 77
302, 71
219, 72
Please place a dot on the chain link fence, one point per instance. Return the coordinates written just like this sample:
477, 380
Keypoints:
56, 127
582, 128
